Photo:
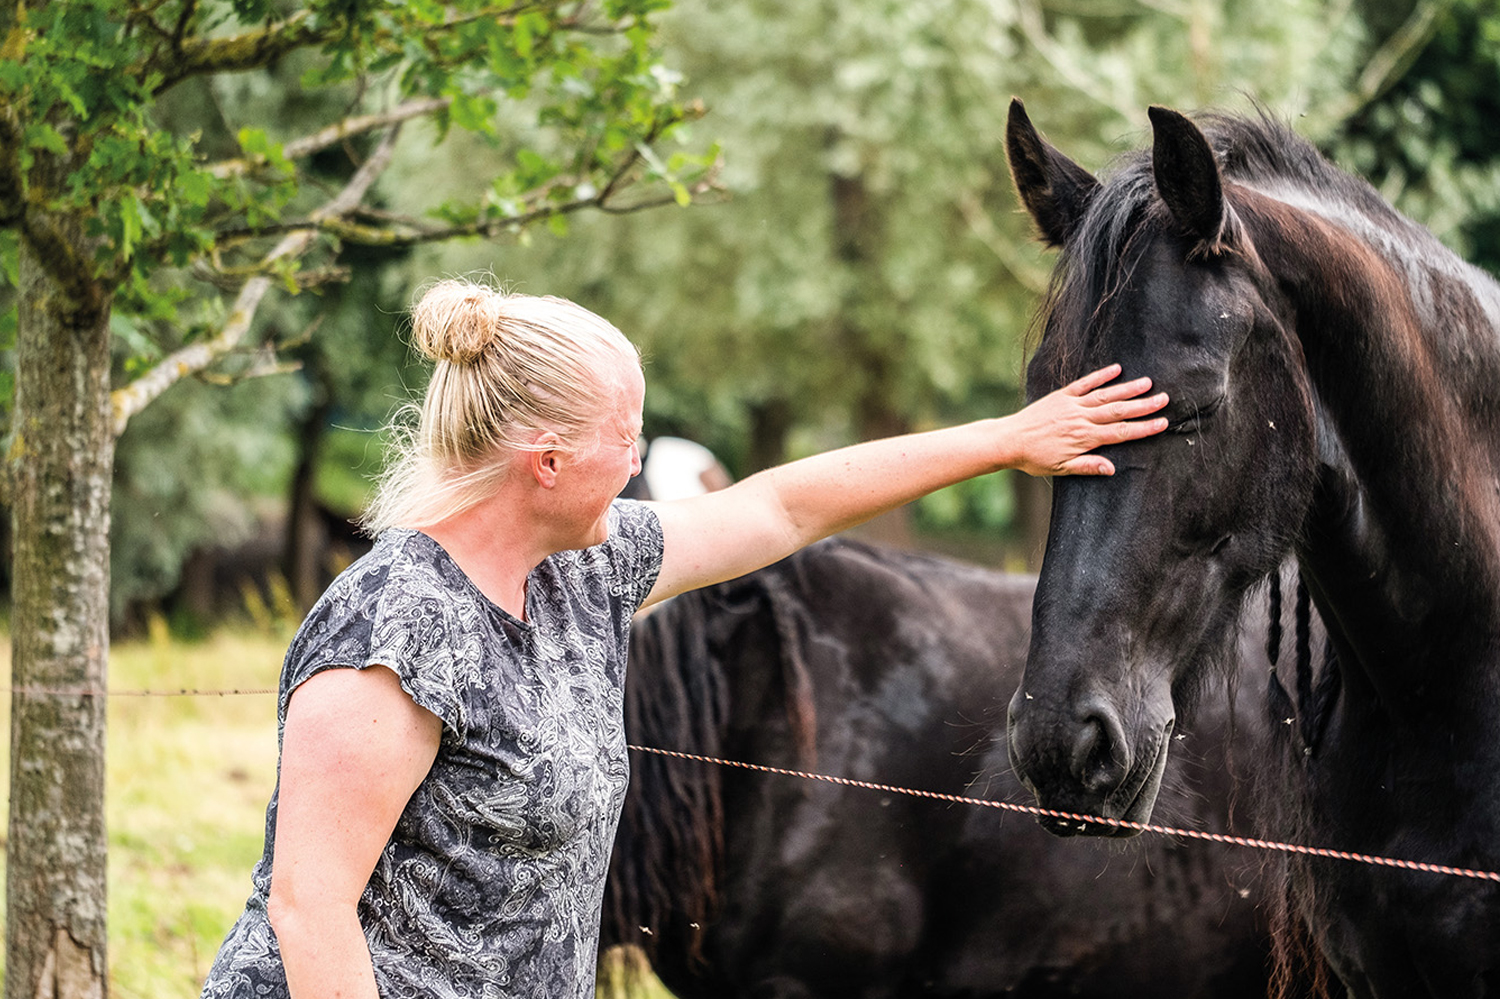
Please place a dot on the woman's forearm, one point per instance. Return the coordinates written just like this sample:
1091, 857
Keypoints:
325, 954
833, 491
773, 513
829, 492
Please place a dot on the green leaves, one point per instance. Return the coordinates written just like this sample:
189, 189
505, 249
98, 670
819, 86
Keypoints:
43, 136
171, 192
259, 148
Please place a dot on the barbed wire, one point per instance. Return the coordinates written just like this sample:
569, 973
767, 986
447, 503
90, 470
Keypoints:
1084, 820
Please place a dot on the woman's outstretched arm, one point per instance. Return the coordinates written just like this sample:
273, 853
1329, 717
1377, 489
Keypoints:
768, 516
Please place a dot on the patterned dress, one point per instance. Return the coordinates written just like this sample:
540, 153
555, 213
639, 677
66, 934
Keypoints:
492, 882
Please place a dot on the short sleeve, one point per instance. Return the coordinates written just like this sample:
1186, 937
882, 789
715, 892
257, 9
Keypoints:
402, 615
633, 550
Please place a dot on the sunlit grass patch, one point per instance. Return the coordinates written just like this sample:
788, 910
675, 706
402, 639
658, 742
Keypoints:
188, 782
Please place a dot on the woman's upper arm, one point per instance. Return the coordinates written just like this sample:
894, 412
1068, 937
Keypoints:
720, 535
354, 748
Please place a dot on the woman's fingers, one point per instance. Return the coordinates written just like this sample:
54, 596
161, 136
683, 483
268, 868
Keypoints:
1119, 392
1087, 464
1093, 380
1131, 409
1136, 429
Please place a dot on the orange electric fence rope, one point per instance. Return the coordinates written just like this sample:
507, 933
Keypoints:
1244, 841
1256, 844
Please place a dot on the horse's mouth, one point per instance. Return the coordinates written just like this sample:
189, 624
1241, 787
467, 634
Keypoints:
1138, 792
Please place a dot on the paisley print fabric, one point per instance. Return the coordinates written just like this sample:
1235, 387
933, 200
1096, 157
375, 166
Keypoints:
492, 882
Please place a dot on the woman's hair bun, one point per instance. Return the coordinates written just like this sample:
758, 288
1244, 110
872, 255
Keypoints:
455, 320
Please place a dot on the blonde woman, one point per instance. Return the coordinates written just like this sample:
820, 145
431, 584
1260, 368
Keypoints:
452, 755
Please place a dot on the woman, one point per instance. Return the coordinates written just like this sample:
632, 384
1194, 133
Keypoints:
452, 753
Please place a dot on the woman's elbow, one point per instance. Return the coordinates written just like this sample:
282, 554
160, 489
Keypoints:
281, 912
294, 916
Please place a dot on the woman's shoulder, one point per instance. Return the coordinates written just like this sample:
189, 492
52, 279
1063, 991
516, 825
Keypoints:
624, 566
404, 605
404, 565
406, 586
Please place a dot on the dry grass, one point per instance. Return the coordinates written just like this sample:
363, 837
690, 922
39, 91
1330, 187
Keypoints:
188, 782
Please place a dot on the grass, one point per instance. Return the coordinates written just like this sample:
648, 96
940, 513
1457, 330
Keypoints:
187, 784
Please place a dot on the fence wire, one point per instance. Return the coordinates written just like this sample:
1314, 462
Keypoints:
1247, 842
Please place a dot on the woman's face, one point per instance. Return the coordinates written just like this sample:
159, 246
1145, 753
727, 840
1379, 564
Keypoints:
595, 476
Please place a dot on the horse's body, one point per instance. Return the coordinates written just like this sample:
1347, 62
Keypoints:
1335, 382
894, 668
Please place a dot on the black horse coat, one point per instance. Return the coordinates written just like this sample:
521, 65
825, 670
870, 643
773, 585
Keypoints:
896, 668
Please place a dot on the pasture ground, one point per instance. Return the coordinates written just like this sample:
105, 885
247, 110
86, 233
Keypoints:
188, 781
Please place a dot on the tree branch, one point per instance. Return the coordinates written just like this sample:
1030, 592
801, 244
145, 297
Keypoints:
1027, 273
1391, 61
184, 18
1029, 17
334, 134
405, 232
253, 49
12, 28
200, 56
132, 398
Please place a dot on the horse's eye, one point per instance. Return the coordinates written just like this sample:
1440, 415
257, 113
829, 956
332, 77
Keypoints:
1190, 416
1221, 544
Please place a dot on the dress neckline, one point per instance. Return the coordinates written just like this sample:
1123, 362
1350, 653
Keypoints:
528, 623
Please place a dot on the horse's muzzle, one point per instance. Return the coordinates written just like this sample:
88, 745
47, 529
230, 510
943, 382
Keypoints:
1083, 763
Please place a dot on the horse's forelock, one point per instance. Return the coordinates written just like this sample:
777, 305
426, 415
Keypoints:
1091, 268
1256, 150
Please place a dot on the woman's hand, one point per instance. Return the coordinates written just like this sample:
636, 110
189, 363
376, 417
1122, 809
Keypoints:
1053, 435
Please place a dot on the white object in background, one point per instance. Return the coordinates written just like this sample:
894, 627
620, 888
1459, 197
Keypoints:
676, 468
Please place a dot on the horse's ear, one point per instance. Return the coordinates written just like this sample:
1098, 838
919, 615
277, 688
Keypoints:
1187, 177
1054, 189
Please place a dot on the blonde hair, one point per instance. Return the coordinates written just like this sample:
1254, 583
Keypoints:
509, 367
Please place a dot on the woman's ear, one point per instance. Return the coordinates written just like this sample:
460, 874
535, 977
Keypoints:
546, 459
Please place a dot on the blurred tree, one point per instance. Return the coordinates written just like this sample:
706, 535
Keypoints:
871, 272
1426, 136
117, 225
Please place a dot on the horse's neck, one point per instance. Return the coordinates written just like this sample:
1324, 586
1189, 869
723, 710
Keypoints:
1403, 351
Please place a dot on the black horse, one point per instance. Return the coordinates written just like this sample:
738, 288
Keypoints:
894, 668
1335, 383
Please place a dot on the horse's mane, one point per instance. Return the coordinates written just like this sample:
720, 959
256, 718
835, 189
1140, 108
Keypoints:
667, 866
1257, 151
668, 850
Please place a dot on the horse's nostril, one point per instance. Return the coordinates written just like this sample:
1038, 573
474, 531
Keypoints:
1101, 760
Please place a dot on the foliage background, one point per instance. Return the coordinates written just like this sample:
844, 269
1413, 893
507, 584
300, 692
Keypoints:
867, 272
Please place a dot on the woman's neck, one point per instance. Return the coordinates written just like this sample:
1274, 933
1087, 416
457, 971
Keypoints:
494, 547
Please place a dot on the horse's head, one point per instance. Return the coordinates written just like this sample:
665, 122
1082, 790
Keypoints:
1146, 571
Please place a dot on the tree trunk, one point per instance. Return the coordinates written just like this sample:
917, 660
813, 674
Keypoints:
875, 417
306, 542
858, 232
60, 474
770, 425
